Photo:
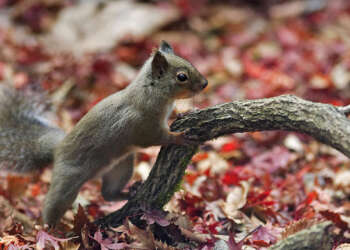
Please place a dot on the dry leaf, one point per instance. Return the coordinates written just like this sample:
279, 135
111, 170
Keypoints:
345, 246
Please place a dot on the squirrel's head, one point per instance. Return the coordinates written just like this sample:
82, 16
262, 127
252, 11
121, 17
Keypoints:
175, 74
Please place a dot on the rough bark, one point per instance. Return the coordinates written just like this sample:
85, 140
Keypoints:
316, 237
324, 122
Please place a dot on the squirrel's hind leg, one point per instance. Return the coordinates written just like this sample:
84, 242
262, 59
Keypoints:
115, 180
64, 188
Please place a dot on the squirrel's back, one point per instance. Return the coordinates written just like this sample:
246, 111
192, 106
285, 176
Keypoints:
27, 139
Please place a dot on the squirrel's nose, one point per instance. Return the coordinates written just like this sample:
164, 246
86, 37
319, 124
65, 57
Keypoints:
204, 83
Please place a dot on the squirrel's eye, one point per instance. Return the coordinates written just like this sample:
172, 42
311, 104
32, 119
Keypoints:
182, 77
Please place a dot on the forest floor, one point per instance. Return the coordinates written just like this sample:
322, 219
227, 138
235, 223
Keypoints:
249, 190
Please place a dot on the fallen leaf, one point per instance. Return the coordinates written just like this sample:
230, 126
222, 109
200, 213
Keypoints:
44, 239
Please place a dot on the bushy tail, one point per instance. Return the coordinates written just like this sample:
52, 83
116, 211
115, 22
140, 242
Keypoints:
27, 139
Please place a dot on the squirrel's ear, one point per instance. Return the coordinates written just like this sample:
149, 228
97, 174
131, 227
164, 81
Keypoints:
166, 48
159, 64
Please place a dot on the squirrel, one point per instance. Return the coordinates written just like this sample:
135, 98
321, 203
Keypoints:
103, 142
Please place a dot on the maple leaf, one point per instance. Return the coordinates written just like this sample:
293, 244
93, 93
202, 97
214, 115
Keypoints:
263, 236
255, 199
80, 219
233, 177
43, 238
199, 157
332, 216
230, 146
145, 238
107, 244
232, 244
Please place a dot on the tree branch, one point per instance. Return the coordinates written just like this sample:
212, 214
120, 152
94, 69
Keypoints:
324, 122
345, 110
316, 237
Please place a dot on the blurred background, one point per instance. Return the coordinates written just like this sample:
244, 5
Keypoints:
247, 49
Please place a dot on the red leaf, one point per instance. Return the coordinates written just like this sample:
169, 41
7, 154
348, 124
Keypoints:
330, 215
212, 227
35, 190
199, 157
231, 178
94, 210
230, 146
267, 203
254, 199
28, 55
191, 178
80, 219
207, 172
336, 102
310, 197
261, 243
192, 205
144, 157
102, 66
264, 236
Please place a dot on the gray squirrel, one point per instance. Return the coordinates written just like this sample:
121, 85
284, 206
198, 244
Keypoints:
103, 142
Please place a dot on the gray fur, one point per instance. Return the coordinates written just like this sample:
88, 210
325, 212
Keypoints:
116, 178
103, 140
27, 139
117, 126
